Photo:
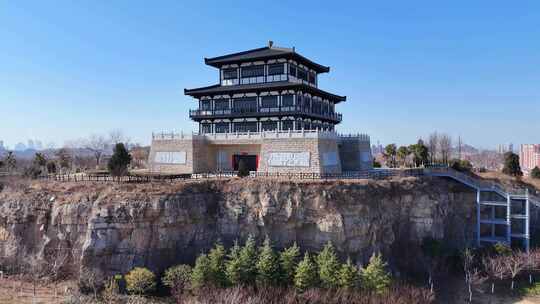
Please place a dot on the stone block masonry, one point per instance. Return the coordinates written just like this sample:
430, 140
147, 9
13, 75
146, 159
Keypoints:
318, 152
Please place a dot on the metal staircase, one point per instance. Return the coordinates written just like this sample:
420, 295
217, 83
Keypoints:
502, 216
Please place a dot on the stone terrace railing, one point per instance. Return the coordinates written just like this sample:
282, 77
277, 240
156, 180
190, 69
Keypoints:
261, 135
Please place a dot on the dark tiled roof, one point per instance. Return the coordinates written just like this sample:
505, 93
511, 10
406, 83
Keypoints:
269, 52
246, 88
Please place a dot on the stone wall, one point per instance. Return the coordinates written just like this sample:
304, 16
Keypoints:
350, 152
212, 154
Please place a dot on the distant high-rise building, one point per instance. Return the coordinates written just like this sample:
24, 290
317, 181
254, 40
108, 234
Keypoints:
529, 157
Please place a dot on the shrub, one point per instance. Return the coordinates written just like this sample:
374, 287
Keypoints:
374, 276
502, 249
217, 266
248, 261
328, 266
178, 277
268, 271
306, 274
461, 165
202, 272
233, 266
348, 275
289, 261
140, 281
51, 167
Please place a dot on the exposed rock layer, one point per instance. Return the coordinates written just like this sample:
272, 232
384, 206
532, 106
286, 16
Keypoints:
112, 228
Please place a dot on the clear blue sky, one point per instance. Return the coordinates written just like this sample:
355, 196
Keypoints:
469, 68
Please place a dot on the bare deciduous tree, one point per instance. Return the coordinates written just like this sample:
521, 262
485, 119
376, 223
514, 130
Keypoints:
116, 136
88, 279
433, 145
445, 147
97, 145
494, 268
514, 264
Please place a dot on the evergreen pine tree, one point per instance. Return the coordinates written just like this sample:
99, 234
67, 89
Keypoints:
233, 267
289, 261
248, 261
511, 164
535, 173
348, 275
328, 266
374, 277
202, 272
217, 265
306, 274
118, 164
268, 271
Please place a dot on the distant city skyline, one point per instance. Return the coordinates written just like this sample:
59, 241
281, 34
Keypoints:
467, 69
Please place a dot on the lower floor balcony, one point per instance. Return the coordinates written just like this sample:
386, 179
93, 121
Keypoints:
281, 111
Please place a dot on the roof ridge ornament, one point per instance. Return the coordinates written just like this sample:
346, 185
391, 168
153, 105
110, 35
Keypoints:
270, 43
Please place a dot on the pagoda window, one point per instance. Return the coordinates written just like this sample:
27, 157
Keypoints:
206, 105
302, 74
245, 105
312, 77
221, 104
230, 73
243, 127
287, 100
287, 125
292, 70
206, 128
276, 69
222, 127
269, 125
307, 103
269, 101
253, 71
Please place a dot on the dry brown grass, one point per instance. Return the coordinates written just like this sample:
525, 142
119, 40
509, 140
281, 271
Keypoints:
511, 181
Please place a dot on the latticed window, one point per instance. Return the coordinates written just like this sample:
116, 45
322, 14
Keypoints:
287, 100
269, 125
269, 101
253, 71
221, 104
248, 126
245, 105
276, 69
206, 128
230, 73
302, 74
206, 105
312, 77
292, 70
287, 125
222, 127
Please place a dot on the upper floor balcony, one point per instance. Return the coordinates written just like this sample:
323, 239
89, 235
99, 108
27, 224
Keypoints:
199, 114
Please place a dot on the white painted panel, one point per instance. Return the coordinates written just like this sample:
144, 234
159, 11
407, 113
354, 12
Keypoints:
178, 158
330, 159
288, 159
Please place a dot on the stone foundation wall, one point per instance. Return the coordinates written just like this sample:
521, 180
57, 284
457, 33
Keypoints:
325, 154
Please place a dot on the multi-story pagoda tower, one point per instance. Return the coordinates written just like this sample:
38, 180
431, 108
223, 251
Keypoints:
265, 89
266, 113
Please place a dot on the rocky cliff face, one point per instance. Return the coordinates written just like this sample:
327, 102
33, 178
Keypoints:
112, 228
